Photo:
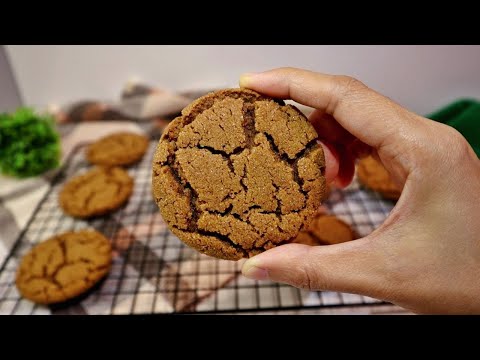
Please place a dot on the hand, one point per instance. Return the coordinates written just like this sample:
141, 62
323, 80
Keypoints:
426, 255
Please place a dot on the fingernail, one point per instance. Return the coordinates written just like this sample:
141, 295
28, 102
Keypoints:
245, 79
252, 271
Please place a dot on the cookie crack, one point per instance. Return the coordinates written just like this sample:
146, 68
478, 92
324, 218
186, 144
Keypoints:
88, 199
48, 278
252, 228
292, 163
186, 188
278, 154
92, 194
208, 103
171, 161
308, 147
63, 248
225, 238
218, 236
248, 124
227, 211
277, 190
307, 144
224, 154
192, 223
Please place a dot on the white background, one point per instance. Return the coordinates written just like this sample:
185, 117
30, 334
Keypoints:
419, 77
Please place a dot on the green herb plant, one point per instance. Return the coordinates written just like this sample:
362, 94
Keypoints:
29, 143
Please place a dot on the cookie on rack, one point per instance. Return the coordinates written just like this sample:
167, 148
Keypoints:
118, 149
238, 173
372, 174
326, 230
64, 266
97, 192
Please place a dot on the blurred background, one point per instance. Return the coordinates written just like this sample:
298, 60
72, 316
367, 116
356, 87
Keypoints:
79, 94
421, 78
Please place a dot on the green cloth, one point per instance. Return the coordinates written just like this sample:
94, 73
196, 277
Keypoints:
464, 116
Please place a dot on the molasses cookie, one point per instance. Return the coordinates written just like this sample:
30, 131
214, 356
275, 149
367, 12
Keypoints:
238, 173
326, 230
64, 266
96, 192
117, 149
372, 174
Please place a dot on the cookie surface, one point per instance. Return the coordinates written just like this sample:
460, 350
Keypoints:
373, 175
117, 149
238, 173
64, 266
326, 230
96, 192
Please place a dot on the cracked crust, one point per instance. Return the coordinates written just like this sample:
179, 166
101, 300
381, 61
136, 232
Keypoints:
326, 230
373, 175
238, 173
119, 149
96, 192
64, 266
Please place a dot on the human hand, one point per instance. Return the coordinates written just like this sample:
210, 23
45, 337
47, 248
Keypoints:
426, 255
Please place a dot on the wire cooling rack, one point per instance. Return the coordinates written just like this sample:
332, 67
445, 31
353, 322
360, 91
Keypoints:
154, 272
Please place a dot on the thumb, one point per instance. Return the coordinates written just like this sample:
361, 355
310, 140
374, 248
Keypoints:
354, 267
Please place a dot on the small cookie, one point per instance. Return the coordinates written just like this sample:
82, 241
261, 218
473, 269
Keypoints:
326, 230
373, 175
64, 266
238, 173
117, 149
96, 192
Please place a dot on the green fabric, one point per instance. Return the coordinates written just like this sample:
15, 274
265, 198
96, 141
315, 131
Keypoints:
463, 115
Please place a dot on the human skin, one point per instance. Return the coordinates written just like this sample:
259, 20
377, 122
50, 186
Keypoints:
425, 257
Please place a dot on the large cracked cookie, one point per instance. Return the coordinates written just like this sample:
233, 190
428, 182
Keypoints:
64, 266
96, 192
238, 173
119, 149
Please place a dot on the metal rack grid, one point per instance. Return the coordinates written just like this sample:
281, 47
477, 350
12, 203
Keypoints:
154, 272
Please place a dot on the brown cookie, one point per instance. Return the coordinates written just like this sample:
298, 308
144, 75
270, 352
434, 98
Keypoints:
326, 230
96, 192
117, 149
64, 266
238, 173
373, 175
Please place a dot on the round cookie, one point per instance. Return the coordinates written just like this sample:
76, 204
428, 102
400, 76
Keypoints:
238, 173
117, 149
64, 266
373, 175
96, 192
326, 230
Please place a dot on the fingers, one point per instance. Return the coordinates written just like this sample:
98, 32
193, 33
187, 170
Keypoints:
328, 128
343, 145
365, 114
332, 161
339, 164
346, 169
354, 267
